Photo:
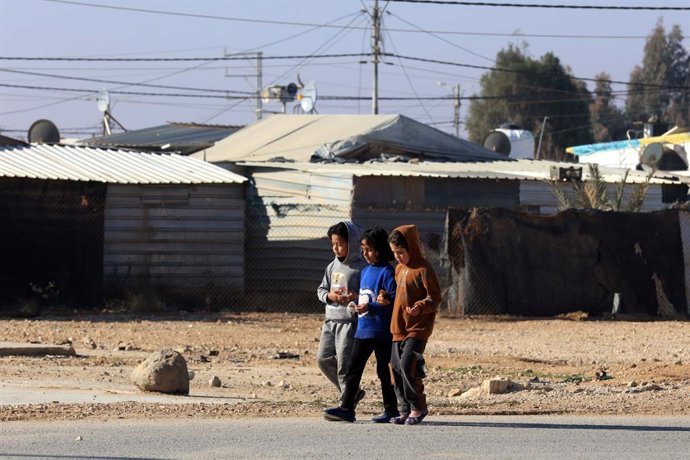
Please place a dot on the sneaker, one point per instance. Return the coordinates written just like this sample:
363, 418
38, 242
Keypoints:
416, 420
399, 420
338, 414
385, 417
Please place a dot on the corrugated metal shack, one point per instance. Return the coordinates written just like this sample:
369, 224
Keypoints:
308, 172
300, 198
291, 205
80, 222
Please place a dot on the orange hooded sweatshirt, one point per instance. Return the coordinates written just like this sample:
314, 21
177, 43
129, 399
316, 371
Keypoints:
417, 283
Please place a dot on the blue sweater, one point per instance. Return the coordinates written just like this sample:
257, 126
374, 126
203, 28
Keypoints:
376, 324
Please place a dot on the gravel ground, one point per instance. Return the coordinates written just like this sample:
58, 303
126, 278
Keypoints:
266, 363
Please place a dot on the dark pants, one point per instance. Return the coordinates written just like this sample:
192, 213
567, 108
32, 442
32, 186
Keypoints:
361, 351
409, 387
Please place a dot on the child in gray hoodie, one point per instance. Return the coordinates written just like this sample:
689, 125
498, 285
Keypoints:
339, 287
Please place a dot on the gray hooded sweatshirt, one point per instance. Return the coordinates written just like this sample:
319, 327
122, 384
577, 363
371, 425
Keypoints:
345, 274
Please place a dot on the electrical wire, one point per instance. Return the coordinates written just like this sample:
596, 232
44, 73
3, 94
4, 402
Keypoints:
437, 61
95, 80
409, 80
176, 59
443, 39
332, 39
188, 15
542, 5
343, 55
332, 26
517, 98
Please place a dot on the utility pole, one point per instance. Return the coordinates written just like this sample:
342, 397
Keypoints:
376, 51
543, 125
259, 85
456, 105
456, 109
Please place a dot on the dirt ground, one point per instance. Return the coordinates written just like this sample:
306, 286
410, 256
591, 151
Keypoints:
266, 363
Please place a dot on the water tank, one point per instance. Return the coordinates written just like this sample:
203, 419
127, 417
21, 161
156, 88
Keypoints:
511, 141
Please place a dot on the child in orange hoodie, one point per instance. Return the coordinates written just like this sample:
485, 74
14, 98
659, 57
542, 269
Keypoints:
417, 296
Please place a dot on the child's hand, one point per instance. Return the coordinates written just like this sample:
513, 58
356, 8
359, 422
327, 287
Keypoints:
414, 310
343, 298
383, 298
362, 308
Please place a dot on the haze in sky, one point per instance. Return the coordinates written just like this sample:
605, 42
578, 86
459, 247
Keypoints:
174, 71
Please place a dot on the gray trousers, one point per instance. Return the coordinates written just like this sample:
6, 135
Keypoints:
335, 345
409, 386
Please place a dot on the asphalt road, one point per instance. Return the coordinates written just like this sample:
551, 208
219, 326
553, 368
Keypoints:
534, 437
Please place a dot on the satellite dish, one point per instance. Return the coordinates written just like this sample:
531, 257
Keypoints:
664, 157
103, 101
651, 154
498, 142
44, 131
307, 96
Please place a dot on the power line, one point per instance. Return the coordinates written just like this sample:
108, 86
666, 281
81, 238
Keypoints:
333, 26
334, 39
409, 80
498, 69
132, 93
188, 15
324, 56
328, 56
542, 5
442, 39
176, 59
95, 80
518, 98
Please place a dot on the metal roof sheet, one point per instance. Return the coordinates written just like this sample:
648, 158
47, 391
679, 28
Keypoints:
522, 169
59, 162
183, 137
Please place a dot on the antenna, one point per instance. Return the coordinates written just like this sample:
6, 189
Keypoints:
43, 131
103, 104
307, 97
282, 93
266, 95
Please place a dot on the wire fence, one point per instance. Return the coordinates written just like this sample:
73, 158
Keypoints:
64, 245
79, 247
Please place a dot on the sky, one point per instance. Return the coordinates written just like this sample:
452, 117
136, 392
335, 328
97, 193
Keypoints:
313, 40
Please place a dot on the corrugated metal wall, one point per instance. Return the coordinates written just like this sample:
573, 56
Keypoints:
288, 213
287, 248
177, 241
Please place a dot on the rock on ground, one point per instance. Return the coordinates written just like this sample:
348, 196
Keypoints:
164, 371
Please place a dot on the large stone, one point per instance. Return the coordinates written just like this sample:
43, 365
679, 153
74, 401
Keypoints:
496, 385
164, 371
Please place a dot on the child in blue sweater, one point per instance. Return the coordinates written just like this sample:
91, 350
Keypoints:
375, 307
